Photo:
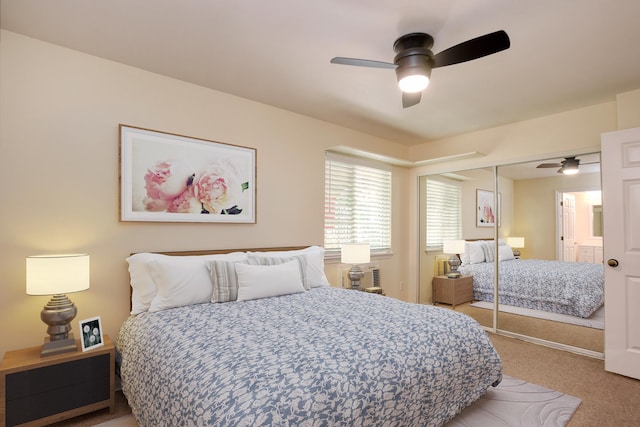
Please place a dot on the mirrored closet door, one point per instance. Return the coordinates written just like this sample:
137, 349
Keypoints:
537, 215
553, 215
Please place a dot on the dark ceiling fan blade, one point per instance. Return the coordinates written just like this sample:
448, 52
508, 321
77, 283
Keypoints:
473, 49
410, 99
362, 62
549, 165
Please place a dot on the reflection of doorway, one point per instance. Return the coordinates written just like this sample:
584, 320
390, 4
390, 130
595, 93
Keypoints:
575, 221
568, 238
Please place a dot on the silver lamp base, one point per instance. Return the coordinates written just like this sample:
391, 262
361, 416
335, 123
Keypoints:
58, 313
454, 263
49, 348
355, 274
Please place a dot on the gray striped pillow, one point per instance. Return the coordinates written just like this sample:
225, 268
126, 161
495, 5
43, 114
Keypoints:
225, 280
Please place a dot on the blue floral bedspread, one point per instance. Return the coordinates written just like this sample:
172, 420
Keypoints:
325, 357
573, 288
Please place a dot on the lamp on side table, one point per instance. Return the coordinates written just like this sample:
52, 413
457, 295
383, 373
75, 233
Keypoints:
58, 275
453, 248
356, 254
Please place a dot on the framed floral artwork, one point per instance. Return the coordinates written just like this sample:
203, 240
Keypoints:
91, 330
175, 178
486, 214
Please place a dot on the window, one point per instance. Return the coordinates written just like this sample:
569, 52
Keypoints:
444, 212
357, 206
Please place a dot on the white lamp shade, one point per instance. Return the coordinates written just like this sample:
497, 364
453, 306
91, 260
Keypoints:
515, 242
453, 246
355, 253
57, 274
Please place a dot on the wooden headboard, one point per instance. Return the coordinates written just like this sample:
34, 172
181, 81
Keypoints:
226, 251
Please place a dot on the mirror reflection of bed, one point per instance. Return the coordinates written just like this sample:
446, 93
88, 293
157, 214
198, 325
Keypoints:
529, 208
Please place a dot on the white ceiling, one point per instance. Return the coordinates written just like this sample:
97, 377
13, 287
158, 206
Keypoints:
564, 54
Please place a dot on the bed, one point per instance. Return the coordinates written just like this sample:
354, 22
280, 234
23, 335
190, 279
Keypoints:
571, 288
273, 344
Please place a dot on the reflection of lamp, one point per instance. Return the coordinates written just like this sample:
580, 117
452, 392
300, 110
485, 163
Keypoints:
453, 248
516, 243
355, 253
58, 275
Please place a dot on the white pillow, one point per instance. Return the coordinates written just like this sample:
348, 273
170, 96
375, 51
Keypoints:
505, 253
267, 260
315, 263
143, 286
263, 281
473, 253
180, 282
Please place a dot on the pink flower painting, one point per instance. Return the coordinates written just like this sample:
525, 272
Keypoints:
172, 187
173, 178
486, 213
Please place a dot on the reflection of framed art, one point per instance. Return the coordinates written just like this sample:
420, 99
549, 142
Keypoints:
173, 178
486, 214
91, 330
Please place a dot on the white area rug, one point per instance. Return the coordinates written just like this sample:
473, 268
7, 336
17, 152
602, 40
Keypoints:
513, 403
596, 320
126, 421
518, 403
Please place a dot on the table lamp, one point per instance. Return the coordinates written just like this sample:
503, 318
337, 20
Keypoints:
58, 275
515, 243
453, 248
355, 253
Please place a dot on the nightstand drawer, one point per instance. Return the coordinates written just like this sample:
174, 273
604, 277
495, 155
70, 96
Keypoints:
38, 391
46, 391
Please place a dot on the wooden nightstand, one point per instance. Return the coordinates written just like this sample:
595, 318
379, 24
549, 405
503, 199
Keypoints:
452, 291
36, 391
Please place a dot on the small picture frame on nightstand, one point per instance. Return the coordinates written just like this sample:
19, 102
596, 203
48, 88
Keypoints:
91, 331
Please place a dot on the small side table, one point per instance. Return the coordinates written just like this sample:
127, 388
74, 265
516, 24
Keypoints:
37, 391
452, 291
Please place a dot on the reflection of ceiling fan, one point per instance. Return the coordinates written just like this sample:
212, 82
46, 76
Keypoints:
569, 166
414, 60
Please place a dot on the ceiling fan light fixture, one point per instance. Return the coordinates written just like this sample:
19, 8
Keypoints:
414, 83
570, 169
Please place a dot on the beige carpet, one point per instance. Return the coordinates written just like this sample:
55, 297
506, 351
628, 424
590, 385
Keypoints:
513, 403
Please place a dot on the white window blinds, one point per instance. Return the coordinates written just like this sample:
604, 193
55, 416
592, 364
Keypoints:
357, 207
444, 212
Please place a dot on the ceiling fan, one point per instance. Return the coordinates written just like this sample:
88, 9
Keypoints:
569, 166
414, 60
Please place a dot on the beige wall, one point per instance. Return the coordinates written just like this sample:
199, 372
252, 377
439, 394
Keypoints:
535, 210
628, 109
59, 115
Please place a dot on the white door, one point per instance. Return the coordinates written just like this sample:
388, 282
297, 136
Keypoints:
568, 238
621, 214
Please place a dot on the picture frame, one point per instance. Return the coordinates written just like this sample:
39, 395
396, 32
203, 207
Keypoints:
91, 333
486, 214
174, 178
